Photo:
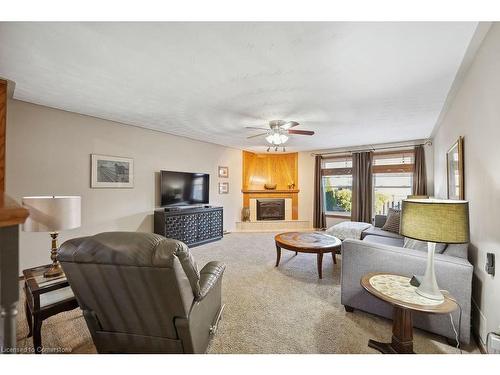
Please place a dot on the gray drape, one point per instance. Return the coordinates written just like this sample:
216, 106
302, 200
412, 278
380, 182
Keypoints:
419, 175
319, 220
362, 182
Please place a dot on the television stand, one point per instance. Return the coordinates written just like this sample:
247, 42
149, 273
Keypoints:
193, 225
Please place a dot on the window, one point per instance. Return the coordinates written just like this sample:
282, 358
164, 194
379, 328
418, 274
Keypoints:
392, 180
337, 185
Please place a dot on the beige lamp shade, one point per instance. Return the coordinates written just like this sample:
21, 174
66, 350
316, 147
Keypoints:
52, 213
435, 220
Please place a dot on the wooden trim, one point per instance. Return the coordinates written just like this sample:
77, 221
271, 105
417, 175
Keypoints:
339, 216
11, 213
388, 154
394, 168
336, 171
3, 126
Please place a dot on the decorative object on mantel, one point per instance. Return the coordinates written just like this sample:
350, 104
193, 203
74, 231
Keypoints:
223, 172
223, 187
455, 170
52, 214
291, 185
270, 186
434, 221
245, 214
112, 172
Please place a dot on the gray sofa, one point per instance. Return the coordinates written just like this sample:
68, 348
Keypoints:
381, 251
143, 293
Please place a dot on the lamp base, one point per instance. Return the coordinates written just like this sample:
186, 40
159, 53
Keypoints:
428, 287
55, 268
54, 271
436, 296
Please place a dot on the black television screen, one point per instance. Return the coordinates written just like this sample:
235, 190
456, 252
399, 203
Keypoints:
181, 188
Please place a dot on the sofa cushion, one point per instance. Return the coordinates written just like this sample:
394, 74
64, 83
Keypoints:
392, 221
374, 231
410, 243
458, 250
391, 241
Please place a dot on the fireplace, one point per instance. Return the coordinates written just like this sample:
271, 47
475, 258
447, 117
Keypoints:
270, 209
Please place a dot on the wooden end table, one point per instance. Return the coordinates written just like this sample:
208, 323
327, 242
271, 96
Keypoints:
308, 242
45, 297
396, 290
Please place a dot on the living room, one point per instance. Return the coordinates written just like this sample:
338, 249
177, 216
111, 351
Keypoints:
249, 188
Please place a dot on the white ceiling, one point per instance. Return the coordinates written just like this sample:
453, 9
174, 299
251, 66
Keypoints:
352, 83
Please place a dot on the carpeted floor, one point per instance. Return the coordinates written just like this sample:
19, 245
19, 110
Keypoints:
268, 310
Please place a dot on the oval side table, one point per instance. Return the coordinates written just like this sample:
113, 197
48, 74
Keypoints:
396, 290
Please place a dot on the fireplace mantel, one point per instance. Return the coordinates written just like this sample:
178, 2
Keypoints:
270, 191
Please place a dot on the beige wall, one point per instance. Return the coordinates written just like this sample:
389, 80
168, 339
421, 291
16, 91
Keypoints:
48, 152
475, 114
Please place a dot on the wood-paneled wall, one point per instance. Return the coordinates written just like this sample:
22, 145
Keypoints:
260, 169
279, 169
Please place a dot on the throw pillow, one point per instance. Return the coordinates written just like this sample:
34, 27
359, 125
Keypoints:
392, 222
457, 250
422, 245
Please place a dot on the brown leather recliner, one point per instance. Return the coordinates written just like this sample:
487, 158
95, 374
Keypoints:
142, 293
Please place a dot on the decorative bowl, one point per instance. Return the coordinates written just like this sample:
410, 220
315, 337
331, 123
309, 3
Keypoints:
269, 186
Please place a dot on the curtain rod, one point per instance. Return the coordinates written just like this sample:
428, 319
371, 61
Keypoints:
426, 143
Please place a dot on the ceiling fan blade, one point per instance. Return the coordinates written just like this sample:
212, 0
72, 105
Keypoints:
256, 127
301, 132
289, 124
257, 135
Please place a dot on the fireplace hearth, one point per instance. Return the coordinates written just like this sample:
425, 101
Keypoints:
270, 209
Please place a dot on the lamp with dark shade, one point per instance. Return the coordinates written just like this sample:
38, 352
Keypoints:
52, 214
434, 221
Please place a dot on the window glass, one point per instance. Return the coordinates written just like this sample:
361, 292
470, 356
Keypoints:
390, 189
337, 194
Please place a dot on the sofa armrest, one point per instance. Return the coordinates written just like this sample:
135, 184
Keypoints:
209, 275
453, 274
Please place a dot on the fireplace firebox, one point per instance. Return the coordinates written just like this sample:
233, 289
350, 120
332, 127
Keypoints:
270, 209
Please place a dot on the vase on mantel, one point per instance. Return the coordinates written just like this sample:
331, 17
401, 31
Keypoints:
245, 214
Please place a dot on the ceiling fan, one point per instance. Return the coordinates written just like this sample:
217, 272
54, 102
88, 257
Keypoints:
278, 133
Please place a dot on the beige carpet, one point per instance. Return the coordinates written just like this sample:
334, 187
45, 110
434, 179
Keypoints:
268, 310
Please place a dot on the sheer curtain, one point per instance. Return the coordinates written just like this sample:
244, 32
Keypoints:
362, 187
319, 219
419, 175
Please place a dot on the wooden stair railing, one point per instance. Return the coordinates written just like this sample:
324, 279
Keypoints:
11, 216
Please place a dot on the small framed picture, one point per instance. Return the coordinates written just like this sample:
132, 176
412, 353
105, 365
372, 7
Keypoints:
111, 172
223, 187
223, 172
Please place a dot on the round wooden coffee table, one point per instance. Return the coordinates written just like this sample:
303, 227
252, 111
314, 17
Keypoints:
307, 242
396, 290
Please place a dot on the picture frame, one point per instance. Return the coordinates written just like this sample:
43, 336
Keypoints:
223, 172
112, 172
223, 187
455, 170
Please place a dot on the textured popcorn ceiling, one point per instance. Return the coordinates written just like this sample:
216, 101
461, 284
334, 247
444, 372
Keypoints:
352, 83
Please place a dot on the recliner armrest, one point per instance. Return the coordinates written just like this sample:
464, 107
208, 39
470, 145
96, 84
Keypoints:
209, 275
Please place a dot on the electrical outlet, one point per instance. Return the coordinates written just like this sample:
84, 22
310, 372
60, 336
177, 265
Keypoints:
490, 264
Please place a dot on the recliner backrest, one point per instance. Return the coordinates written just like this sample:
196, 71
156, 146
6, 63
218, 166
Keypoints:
129, 282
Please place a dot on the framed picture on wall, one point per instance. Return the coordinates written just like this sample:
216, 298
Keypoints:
455, 170
223, 172
111, 172
223, 187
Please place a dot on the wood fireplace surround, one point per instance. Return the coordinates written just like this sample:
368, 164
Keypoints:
271, 168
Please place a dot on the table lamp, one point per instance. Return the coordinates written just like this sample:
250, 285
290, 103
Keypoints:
434, 220
52, 214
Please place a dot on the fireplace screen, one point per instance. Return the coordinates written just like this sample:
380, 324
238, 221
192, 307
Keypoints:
270, 209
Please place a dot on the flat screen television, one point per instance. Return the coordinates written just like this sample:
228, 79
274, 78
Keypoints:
182, 188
